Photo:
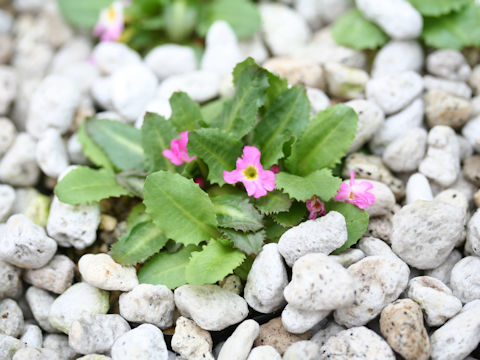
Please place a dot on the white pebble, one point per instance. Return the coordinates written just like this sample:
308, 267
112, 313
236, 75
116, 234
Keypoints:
171, 59
51, 153
201, 86
449, 64
370, 119
40, 301
406, 153
238, 345
56, 276
418, 188
109, 56
298, 321
465, 279
398, 56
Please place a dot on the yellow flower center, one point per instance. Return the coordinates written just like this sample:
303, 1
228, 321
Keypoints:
111, 13
250, 173
351, 195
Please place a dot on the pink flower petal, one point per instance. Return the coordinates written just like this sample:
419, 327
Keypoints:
232, 177
251, 188
172, 156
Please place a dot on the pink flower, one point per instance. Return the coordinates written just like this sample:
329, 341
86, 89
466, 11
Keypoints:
110, 23
316, 208
356, 193
199, 180
250, 172
275, 169
178, 150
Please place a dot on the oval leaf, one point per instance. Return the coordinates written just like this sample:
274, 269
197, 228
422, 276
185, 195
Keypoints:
237, 213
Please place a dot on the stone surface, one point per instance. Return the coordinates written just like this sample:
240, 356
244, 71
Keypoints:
11, 318
25, 244
418, 188
51, 153
283, 29
322, 235
452, 87
370, 119
40, 302
471, 131
274, 334
148, 303
92, 333
8, 85
32, 336
424, 233
318, 100
297, 71
465, 279
326, 332
401, 323
459, 336
144, 342
319, 283
101, 271
306, 350
348, 257
18, 167
345, 82
394, 92
34, 354
109, 56
471, 169
7, 198
473, 232
10, 280
201, 86
9, 346
8, 134
191, 341
442, 108
266, 280
238, 345
357, 343
443, 271
264, 352
379, 280
73, 225
171, 59
232, 283
59, 343
56, 276
406, 153
298, 321
384, 199
80, 298
435, 299
449, 64
210, 306
398, 56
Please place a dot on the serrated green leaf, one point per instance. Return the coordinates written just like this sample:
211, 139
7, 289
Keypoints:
91, 150
274, 202
287, 116
292, 217
355, 31
273, 229
212, 110
132, 180
186, 113
325, 140
157, 133
237, 213
244, 268
84, 184
276, 86
239, 115
455, 30
320, 183
82, 13
250, 243
217, 148
356, 220
212, 263
143, 241
137, 215
179, 208
121, 142
438, 7
167, 269
242, 16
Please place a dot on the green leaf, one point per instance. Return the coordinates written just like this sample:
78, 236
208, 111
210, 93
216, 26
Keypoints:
167, 269
273, 229
320, 183
132, 180
356, 219
455, 30
91, 150
212, 263
325, 140
274, 202
84, 184
212, 110
83, 13
179, 208
143, 241
121, 142
242, 16
249, 243
157, 133
244, 268
236, 212
137, 215
217, 148
287, 116
355, 31
276, 86
438, 7
292, 217
240, 114
186, 113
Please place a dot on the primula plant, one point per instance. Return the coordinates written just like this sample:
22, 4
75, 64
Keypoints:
144, 24
217, 182
447, 24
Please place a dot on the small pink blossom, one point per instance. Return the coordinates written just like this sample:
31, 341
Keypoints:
356, 193
110, 24
250, 172
178, 150
316, 208
199, 180
275, 169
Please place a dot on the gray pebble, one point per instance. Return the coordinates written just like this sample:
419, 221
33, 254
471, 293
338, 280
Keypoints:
11, 318
418, 188
456, 88
191, 341
40, 302
471, 169
398, 56
264, 352
305, 350
32, 336
238, 345
9, 346
201, 86
7, 198
110, 56
59, 343
8, 134
171, 59
370, 119
442, 108
449, 64
345, 82
298, 321
144, 342
51, 153
406, 153
35, 354
8, 87
56, 276
10, 280
465, 279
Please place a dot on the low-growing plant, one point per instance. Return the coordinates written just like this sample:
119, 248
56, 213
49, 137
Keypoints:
447, 24
148, 23
196, 223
